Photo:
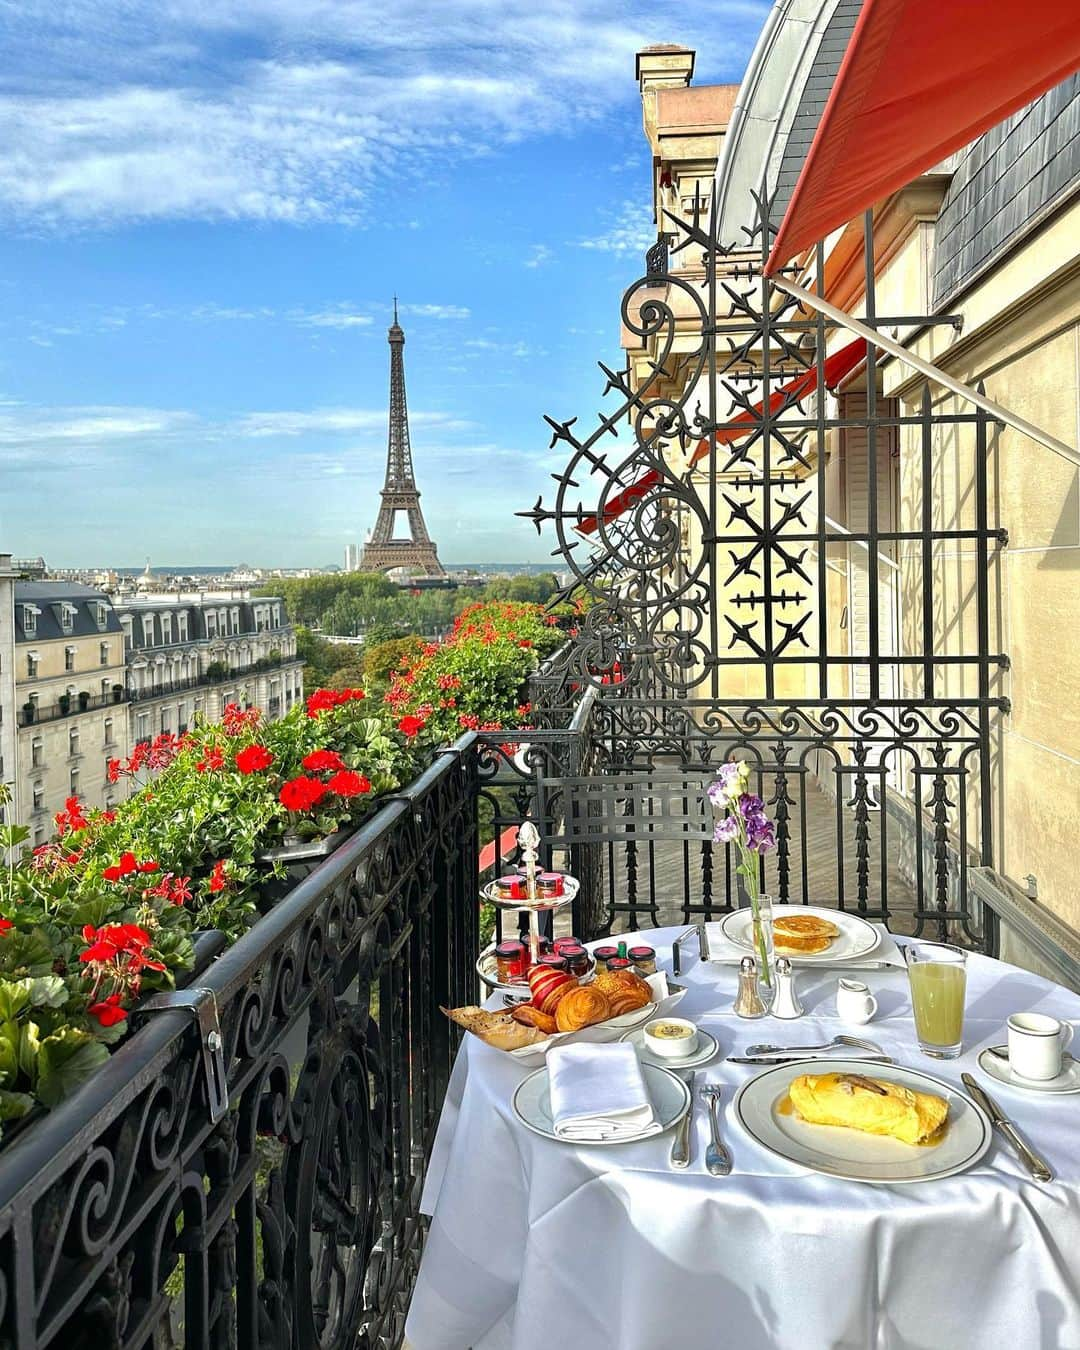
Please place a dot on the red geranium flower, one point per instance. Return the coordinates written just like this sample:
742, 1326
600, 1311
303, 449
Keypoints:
6, 925
253, 758
123, 868
108, 1012
409, 725
345, 783
218, 879
213, 759
319, 760
301, 794
236, 720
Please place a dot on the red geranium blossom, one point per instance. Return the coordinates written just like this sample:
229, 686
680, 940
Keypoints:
6, 925
108, 1012
71, 817
236, 720
301, 794
253, 758
213, 759
345, 783
320, 760
218, 879
116, 940
126, 866
410, 726
322, 700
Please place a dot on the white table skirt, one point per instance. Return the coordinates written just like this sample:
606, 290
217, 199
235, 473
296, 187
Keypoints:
535, 1245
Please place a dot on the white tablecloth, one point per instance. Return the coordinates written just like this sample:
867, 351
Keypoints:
535, 1245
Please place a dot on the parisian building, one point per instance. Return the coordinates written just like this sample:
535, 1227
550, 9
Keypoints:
70, 698
188, 654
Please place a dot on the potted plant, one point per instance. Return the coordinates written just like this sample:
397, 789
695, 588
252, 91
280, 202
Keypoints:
117, 692
29, 711
84, 699
64, 703
216, 670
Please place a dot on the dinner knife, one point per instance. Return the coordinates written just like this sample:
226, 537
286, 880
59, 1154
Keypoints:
680, 1148
805, 1059
1039, 1168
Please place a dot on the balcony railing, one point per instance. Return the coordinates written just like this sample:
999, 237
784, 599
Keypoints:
205, 679
31, 714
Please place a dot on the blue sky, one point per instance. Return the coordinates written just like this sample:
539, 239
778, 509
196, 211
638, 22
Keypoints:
206, 208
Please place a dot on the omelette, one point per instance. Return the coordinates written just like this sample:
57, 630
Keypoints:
869, 1105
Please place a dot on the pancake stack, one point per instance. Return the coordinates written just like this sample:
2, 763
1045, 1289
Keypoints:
802, 934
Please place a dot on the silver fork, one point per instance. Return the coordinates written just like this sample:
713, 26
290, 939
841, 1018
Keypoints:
853, 1041
717, 1158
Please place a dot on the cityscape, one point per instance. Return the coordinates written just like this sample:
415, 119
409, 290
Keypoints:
538, 675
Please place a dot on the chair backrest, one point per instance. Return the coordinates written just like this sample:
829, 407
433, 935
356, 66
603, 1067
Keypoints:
638, 807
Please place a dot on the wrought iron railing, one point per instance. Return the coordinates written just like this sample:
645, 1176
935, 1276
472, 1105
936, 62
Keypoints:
135, 1214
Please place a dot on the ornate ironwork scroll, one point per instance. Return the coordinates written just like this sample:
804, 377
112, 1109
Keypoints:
761, 581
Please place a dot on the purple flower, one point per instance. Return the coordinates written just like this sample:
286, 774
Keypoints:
750, 806
727, 830
760, 834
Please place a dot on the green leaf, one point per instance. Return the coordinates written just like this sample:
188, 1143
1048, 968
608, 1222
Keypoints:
14, 997
47, 991
9, 1053
26, 953
11, 836
66, 1059
13, 1105
29, 1046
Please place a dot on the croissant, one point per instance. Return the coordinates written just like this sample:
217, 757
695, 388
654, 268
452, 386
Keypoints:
495, 1028
628, 1000
581, 1007
611, 981
529, 1016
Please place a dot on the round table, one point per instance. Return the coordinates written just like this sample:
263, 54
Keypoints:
535, 1244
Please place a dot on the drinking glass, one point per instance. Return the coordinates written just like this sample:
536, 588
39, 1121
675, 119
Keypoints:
938, 977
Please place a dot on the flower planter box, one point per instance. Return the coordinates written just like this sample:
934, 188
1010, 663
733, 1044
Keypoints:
299, 858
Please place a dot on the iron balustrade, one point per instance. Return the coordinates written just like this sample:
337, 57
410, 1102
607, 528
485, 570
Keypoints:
130, 1218
52, 712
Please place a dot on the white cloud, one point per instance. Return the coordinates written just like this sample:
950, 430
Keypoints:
291, 110
630, 231
436, 311
539, 254
333, 420
334, 319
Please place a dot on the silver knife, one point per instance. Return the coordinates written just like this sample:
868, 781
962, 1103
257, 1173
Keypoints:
1039, 1168
811, 966
680, 1148
804, 1059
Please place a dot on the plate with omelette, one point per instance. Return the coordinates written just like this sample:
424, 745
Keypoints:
808, 934
880, 1123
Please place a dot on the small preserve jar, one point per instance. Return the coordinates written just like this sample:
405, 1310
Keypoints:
561, 942
620, 963
510, 888
512, 961
602, 955
577, 959
644, 959
549, 885
554, 962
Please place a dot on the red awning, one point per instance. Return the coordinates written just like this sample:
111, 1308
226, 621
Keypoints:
920, 79
837, 366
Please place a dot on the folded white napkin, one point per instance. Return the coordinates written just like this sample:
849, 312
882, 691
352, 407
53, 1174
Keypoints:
598, 1092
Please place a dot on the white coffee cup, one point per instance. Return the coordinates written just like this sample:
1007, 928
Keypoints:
1036, 1045
854, 1002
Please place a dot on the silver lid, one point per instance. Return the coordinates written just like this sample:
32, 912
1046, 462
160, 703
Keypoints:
783, 965
748, 965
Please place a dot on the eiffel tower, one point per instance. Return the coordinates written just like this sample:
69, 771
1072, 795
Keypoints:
382, 551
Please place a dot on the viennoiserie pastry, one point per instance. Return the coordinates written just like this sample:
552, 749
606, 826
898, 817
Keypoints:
868, 1104
547, 987
610, 981
582, 1007
530, 1016
498, 1029
628, 999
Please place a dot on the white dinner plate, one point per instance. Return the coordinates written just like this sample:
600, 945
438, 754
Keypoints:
856, 938
1068, 1080
839, 1152
532, 1105
706, 1048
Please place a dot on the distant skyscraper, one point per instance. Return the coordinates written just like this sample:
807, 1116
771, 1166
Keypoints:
352, 558
382, 551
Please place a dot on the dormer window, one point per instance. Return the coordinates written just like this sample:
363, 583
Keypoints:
181, 624
29, 619
101, 614
166, 628
148, 630
67, 616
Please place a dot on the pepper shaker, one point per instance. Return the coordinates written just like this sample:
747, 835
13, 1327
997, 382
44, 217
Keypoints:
785, 1001
748, 1001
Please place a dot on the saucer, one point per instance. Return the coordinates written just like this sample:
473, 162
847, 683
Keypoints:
1068, 1080
707, 1048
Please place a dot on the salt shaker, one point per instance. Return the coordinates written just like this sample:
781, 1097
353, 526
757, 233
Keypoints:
785, 1001
748, 1001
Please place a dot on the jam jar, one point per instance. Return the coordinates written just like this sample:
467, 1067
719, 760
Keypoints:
512, 961
510, 888
577, 958
620, 963
554, 962
549, 885
602, 955
561, 942
644, 959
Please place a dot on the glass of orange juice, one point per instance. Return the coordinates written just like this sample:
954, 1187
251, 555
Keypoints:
937, 973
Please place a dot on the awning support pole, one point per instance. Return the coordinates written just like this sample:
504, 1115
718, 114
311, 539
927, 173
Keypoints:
928, 369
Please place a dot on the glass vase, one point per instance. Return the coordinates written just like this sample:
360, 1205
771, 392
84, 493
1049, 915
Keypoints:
762, 936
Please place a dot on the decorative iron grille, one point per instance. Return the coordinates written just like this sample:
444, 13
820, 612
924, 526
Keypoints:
736, 608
